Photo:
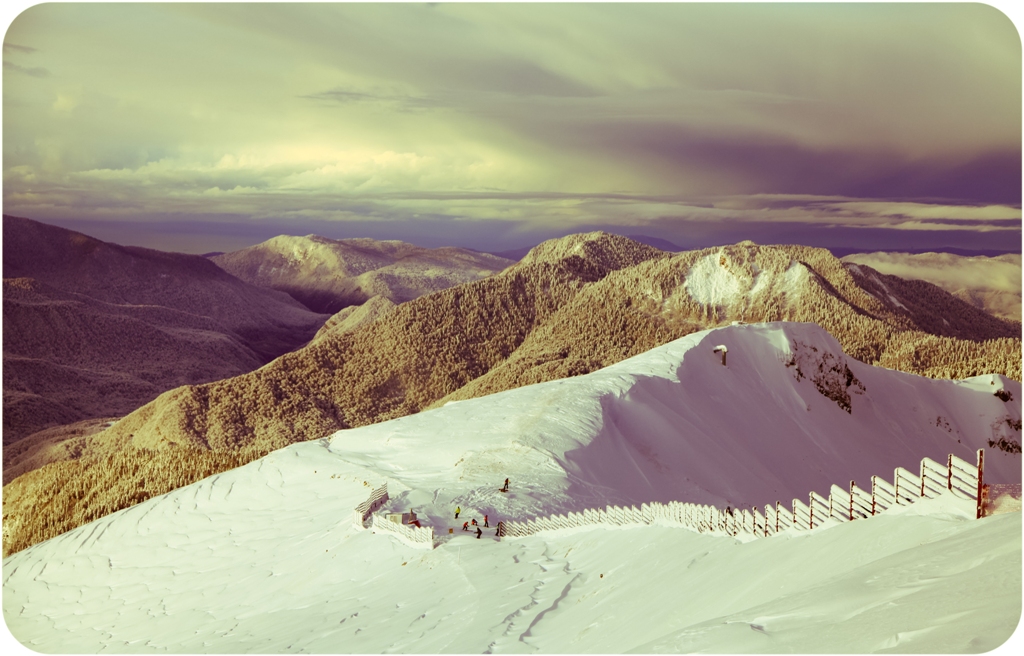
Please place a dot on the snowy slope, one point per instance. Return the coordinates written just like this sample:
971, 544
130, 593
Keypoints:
265, 557
267, 561
674, 424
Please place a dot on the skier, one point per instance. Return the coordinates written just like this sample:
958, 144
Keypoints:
457, 511
465, 526
478, 532
505, 489
474, 522
486, 525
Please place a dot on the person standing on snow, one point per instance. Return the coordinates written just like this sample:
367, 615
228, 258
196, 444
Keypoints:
465, 526
478, 532
486, 525
458, 509
505, 489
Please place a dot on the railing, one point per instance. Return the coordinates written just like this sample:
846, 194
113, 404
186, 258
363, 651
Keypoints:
957, 477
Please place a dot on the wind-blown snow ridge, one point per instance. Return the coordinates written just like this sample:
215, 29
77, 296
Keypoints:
673, 424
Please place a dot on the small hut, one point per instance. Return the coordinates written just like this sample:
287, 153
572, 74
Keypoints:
404, 518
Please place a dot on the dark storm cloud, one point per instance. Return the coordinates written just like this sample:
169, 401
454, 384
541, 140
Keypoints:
993, 177
761, 164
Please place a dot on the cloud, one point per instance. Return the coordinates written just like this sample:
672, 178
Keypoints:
991, 283
894, 121
13, 47
35, 71
396, 101
946, 225
344, 185
947, 270
935, 211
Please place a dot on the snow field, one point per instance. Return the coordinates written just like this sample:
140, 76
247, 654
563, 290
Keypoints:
930, 580
266, 558
711, 282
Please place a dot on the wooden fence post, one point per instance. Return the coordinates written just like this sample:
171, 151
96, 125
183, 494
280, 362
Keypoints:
981, 485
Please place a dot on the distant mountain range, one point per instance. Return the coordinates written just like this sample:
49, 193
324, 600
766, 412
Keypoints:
990, 283
838, 251
570, 306
94, 329
517, 254
328, 275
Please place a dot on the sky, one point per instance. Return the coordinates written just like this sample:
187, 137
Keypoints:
201, 127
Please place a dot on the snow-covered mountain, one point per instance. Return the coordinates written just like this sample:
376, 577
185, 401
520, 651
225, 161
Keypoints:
266, 557
571, 306
328, 275
788, 413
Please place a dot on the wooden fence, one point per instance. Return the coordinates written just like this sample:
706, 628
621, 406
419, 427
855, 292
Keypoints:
957, 477
364, 510
414, 536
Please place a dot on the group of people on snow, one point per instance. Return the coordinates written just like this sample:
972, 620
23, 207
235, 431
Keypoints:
479, 531
465, 525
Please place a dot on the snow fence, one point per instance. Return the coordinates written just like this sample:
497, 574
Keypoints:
364, 510
414, 536
957, 477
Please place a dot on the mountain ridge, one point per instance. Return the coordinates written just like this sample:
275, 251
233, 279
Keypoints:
572, 307
992, 284
328, 275
96, 329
